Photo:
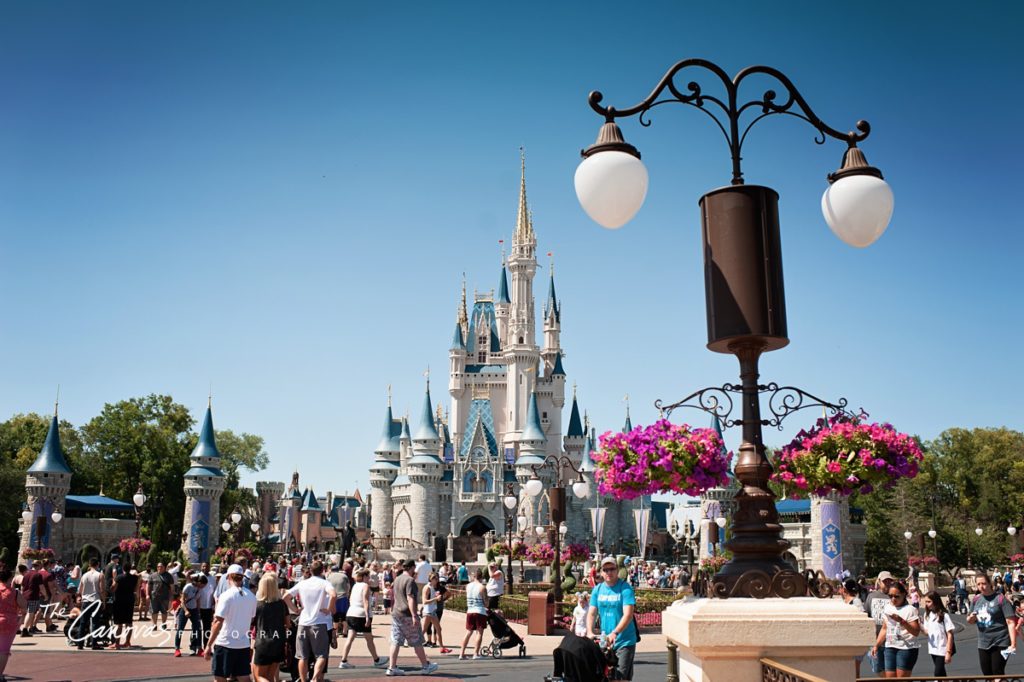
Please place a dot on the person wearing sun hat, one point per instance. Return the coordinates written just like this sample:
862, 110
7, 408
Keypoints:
615, 601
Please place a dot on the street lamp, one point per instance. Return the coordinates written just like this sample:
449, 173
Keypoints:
743, 276
556, 506
509, 503
1012, 530
56, 516
236, 516
139, 498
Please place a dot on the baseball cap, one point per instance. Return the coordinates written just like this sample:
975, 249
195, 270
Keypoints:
884, 575
609, 560
235, 569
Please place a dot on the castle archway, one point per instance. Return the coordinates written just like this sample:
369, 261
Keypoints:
476, 525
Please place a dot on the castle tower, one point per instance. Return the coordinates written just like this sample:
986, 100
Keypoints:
424, 471
522, 355
204, 483
383, 473
502, 303
310, 513
532, 451
268, 494
47, 483
552, 326
714, 503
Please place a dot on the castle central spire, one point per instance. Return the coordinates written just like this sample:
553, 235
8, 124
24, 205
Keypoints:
523, 234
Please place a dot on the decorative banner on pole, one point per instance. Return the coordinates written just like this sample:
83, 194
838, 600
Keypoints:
597, 523
831, 539
643, 520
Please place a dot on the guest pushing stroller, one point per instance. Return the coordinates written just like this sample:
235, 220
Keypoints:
504, 637
578, 659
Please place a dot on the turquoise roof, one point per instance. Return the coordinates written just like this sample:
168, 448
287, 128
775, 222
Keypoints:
457, 342
628, 426
427, 430
575, 423
503, 296
587, 463
385, 466
95, 503
479, 413
296, 494
529, 459
198, 471
484, 310
309, 502
424, 458
51, 458
405, 430
207, 445
552, 303
401, 480
486, 369
533, 430
389, 435
557, 369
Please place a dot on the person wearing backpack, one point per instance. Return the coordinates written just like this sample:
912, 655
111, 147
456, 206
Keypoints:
997, 627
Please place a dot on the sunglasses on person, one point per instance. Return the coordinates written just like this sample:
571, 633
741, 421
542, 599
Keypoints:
609, 568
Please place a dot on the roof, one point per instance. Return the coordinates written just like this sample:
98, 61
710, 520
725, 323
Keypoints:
405, 430
552, 307
95, 503
480, 416
483, 316
587, 463
484, 369
558, 369
207, 445
628, 426
426, 429
389, 434
575, 423
532, 430
401, 480
309, 502
457, 342
424, 458
529, 459
503, 296
51, 458
197, 471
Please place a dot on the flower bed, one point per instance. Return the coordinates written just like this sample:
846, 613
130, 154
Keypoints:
37, 554
134, 546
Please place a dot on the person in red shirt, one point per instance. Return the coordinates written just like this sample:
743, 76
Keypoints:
50, 597
32, 586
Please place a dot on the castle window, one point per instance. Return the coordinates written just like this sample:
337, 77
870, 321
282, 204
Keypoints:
545, 415
481, 357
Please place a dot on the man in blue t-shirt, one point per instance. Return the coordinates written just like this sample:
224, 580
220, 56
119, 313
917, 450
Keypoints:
614, 601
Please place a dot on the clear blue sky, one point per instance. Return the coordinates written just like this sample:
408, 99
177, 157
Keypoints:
280, 200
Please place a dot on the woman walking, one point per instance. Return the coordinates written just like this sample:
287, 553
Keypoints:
997, 626
271, 630
476, 613
122, 614
359, 620
900, 628
431, 623
939, 627
12, 606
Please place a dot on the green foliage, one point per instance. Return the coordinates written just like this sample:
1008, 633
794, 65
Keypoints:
568, 583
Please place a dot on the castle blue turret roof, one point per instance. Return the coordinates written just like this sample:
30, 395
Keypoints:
457, 342
587, 463
426, 430
503, 296
405, 430
628, 426
575, 423
533, 431
309, 502
206, 457
389, 436
557, 369
51, 458
552, 307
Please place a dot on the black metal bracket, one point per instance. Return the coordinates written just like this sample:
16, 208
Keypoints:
782, 402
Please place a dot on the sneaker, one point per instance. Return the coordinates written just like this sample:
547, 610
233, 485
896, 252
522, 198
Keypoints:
463, 657
445, 650
51, 628
394, 672
177, 653
428, 668
380, 662
477, 657
345, 665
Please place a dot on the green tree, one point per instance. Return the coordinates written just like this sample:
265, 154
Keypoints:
237, 452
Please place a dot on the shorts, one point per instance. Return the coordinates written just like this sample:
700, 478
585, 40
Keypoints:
230, 662
340, 609
624, 668
493, 602
476, 621
404, 631
357, 624
158, 605
899, 659
313, 642
33, 605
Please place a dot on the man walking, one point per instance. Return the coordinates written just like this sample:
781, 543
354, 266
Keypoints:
160, 586
615, 601
94, 594
339, 580
229, 638
348, 539
316, 598
405, 621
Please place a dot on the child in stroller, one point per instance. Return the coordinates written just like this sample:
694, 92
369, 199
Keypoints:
578, 659
504, 636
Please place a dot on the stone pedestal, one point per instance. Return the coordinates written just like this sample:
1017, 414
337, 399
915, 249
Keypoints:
970, 577
925, 582
723, 640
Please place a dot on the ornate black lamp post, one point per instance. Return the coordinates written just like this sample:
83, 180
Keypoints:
509, 503
746, 311
139, 498
556, 505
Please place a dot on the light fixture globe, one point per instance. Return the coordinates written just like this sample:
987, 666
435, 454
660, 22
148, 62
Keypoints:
611, 187
720, 522
858, 202
226, 526
907, 534
522, 522
978, 531
581, 489
539, 530
534, 486
510, 501
563, 529
235, 517
26, 515
254, 527
932, 533
139, 499
56, 516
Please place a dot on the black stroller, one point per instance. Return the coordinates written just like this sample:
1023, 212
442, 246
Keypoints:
504, 637
578, 659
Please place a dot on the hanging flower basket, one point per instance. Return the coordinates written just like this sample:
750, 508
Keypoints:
712, 564
541, 554
575, 552
924, 563
661, 458
37, 554
500, 549
134, 546
519, 550
845, 455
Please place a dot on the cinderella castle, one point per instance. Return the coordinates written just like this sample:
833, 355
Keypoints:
447, 477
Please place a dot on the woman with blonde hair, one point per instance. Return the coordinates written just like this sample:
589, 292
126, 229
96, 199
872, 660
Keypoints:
271, 630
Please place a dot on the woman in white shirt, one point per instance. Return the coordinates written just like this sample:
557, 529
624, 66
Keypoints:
939, 627
900, 628
579, 614
476, 613
358, 618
